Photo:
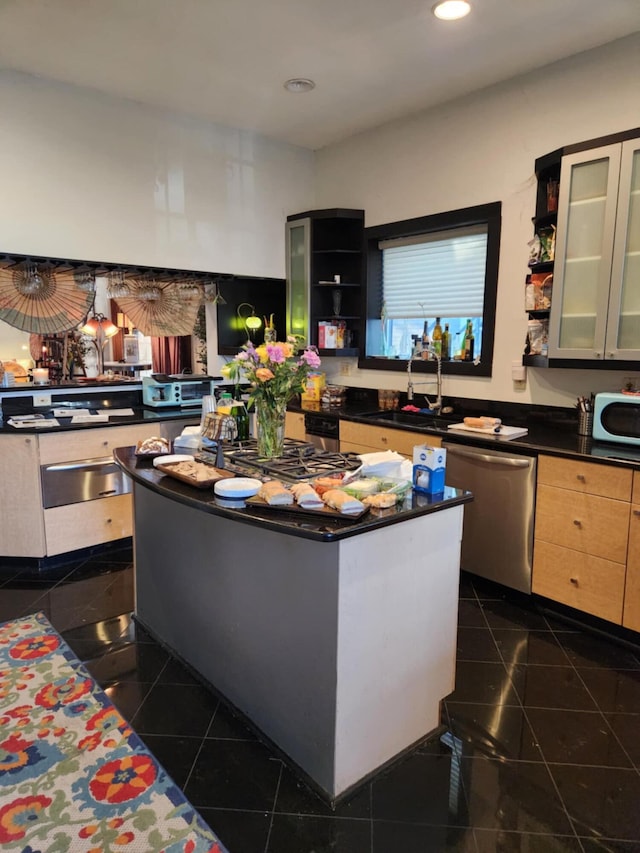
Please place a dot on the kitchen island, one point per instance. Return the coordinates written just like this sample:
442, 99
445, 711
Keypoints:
335, 638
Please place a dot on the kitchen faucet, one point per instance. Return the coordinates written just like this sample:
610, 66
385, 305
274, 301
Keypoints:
437, 406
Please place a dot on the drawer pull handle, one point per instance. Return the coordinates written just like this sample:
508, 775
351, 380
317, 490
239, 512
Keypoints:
636, 512
577, 522
580, 477
574, 581
108, 521
108, 492
384, 439
105, 444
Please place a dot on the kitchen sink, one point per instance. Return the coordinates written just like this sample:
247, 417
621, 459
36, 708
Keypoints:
417, 420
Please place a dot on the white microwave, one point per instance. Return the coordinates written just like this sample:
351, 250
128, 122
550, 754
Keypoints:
616, 417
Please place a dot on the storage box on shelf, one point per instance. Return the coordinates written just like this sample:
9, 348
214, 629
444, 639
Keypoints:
582, 555
325, 269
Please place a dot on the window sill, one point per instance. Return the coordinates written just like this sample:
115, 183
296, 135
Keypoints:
449, 368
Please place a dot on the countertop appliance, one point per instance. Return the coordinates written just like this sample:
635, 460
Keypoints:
322, 429
160, 390
616, 417
497, 537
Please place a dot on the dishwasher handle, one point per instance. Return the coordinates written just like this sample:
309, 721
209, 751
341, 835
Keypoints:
490, 458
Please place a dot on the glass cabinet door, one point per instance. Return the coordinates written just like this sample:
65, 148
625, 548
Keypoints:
298, 233
584, 250
623, 327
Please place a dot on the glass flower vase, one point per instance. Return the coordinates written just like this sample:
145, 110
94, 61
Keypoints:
270, 418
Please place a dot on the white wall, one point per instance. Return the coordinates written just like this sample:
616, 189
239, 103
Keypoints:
481, 149
85, 175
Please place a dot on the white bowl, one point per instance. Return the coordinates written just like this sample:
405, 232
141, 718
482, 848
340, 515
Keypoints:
237, 487
172, 457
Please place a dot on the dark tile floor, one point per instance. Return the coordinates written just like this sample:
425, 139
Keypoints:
541, 750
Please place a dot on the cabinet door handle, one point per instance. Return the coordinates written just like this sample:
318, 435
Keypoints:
581, 477
611, 355
577, 522
574, 581
105, 443
636, 512
108, 521
597, 355
384, 439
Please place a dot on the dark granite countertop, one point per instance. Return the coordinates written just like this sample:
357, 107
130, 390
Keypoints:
321, 529
552, 431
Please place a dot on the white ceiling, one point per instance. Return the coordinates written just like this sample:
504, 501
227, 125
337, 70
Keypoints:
226, 60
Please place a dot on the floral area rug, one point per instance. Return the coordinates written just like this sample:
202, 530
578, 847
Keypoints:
74, 776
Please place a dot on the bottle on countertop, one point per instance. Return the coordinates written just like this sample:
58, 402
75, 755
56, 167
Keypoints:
446, 343
437, 337
241, 416
224, 403
425, 340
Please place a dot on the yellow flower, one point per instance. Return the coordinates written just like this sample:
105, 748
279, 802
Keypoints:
262, 354
225, 370
263, 374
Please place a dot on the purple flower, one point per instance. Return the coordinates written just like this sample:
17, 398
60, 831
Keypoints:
275, 354
243, 356
311, 358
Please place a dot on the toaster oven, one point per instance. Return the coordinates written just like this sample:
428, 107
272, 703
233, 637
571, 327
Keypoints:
616, 417
160, 390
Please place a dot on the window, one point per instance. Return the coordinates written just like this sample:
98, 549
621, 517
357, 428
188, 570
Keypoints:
436, 267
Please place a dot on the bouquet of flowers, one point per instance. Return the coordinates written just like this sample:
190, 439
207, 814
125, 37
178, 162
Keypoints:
277, 371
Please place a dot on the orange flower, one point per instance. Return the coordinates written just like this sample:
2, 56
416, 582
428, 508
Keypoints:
263, 374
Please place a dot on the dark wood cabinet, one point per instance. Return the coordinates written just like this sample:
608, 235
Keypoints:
325, 276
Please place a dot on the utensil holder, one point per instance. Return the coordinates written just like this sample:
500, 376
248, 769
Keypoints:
585, 423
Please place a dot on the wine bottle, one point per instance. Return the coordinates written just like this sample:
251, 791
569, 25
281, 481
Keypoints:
425, 340
446, 343
437, 337
468, 342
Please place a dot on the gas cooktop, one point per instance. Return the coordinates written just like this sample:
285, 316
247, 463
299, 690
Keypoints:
300, 461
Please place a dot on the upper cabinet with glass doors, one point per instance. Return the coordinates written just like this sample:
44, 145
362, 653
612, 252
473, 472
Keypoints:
596, 300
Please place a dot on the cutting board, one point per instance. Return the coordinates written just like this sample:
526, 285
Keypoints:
505, 431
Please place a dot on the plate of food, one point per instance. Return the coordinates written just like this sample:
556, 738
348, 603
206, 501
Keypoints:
153, 447
197, 474
303, 499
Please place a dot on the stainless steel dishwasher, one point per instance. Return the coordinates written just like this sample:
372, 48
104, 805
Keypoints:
497, 537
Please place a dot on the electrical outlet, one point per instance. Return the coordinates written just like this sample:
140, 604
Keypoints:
631, 383
42, 400
345, 368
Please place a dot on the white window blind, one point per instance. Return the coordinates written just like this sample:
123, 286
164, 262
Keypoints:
440, 274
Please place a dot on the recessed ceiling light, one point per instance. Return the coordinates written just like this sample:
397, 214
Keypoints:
299, 84
451, 10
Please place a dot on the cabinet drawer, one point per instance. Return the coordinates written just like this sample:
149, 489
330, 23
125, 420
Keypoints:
381, 438
294, 426
586, 523
587, 583
92, 443
605, 480
631, 615
68, 528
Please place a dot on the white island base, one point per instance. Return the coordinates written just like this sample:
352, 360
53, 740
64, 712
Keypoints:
340, 652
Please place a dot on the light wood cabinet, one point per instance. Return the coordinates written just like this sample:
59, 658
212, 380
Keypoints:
294, 426
27, 530
21, 526
631, 614
583, 547
80, 525
363, 438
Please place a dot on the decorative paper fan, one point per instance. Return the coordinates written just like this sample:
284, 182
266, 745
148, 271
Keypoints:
159, 309
38, 300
